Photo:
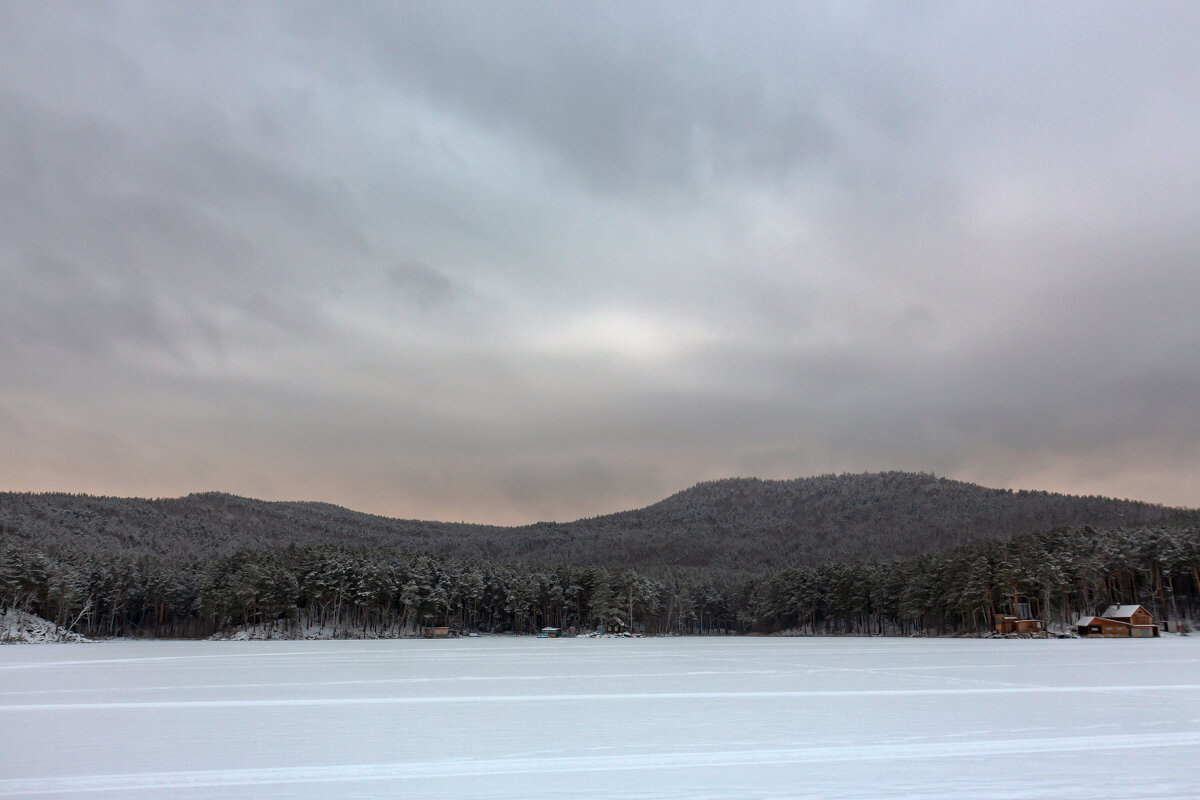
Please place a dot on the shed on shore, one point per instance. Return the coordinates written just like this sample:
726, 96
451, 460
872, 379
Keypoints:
1011, 623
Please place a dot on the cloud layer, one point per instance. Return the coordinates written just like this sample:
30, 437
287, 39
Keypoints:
514, 262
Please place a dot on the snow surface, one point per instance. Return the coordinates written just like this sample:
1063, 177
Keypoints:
603, 718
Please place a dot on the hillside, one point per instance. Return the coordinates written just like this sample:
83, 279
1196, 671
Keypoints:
741, 524
873, 516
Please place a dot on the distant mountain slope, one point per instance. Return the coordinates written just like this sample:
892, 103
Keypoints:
215, 523
871, 516
742, 524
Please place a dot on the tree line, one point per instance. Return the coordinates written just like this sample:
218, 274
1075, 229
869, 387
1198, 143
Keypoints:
1057, 575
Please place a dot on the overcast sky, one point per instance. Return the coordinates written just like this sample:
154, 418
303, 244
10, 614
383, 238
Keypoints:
503, 262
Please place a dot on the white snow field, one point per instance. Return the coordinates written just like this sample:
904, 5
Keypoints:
603, 718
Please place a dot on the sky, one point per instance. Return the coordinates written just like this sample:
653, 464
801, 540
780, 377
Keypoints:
507, 262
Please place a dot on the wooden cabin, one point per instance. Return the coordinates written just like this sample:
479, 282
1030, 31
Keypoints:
1140, 621
1125, 621
1099, 626
549, 633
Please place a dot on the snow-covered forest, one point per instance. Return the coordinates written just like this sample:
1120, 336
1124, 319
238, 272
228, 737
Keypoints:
748, 525
385, 591
891, 553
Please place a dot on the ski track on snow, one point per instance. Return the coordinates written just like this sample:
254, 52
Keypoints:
442, 651
543, 764
602, 696
401, 681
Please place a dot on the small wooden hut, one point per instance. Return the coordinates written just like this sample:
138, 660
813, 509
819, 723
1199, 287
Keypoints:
1011, 623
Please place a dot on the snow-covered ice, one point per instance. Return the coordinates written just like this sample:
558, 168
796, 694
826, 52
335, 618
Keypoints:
603, 718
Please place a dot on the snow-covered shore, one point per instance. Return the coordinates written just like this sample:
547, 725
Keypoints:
17, 627
284, 631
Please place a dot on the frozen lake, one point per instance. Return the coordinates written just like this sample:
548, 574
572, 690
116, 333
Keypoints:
603, 718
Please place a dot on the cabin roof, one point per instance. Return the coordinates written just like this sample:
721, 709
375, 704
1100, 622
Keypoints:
1094, 620
1122, 611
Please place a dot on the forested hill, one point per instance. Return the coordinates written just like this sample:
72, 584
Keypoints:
872, 516
739, 524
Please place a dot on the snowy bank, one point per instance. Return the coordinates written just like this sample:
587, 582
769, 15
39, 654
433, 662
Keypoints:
17, 627
282, 629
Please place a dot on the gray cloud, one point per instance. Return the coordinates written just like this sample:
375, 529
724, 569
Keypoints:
422, 284
625, 105
548, 261
51, 301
